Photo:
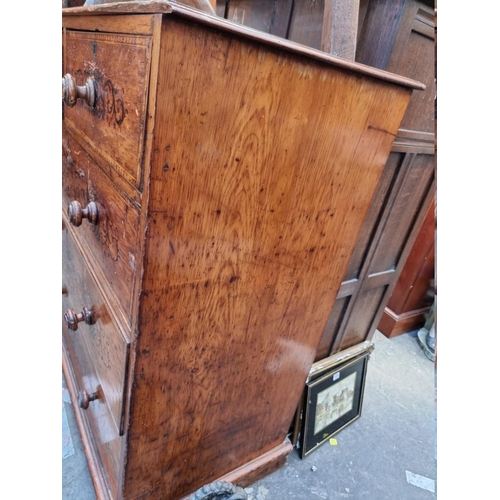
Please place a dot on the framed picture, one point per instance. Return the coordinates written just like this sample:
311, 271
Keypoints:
332, 401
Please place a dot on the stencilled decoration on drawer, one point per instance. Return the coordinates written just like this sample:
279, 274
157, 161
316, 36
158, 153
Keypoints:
119, 67
108, 105
106, 221
113, 105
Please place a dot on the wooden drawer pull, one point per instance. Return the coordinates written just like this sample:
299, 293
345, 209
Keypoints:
76, 213
72, 319
84, 398
71, 91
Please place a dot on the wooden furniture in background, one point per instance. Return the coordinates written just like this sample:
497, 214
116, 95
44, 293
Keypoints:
413, 293
327, 25
215, 181
397, 36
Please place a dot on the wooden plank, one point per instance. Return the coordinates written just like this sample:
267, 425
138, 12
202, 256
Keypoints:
125, 7
340, 28
341, 357
203, 5
281, 18
380, 27
306, 22
347, 288
413, 147
410, 298
133, 25
256, 14
221, 7
332, 327
406, 250
378, 279
207, 6
404, 213
369, 247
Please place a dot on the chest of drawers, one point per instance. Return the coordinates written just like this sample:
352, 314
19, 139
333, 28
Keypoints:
214, 182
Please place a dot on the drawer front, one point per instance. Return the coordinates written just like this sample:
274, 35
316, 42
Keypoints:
103, 432
119, 66
111, 238
99, 348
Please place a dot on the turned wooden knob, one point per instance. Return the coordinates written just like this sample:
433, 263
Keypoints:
76, 213
71, 91
72, 319
84, 399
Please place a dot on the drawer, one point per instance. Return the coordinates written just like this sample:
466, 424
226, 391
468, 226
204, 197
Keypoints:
118, 66
110, 237
99, 348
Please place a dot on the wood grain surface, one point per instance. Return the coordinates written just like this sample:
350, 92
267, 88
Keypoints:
259, 161
112, 242
340, 28
99, 356
119, 65
413, 294
397, 36
256, 200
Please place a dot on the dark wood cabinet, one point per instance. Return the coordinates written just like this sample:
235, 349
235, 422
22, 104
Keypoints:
413, 293
215, 182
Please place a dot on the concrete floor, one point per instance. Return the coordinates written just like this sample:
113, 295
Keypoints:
389, 453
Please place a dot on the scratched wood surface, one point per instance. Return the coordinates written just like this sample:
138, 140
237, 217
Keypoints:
256, 201
240, 205
119, 65
70, 17
99, 358
136, 25
398, 36
112, 241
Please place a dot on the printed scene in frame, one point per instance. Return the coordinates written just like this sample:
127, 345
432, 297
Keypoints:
334, 402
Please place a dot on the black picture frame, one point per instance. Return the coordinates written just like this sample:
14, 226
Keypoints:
332, 401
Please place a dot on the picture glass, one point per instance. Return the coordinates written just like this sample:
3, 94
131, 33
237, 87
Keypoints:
334, 402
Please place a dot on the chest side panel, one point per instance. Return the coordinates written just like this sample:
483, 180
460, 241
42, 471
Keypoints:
264, 165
